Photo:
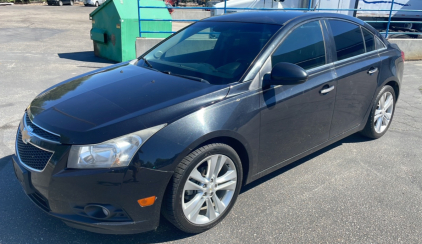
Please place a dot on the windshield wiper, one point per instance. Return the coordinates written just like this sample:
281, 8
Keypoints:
187, 76
147, 62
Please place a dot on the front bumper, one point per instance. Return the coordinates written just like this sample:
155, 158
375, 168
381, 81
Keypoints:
63, 193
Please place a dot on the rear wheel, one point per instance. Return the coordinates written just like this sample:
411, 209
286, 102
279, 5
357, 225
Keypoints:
60, 3
97, 4
381, 114
71, 3
204, 188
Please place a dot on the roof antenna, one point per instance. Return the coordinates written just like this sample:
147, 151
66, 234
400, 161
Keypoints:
316, 5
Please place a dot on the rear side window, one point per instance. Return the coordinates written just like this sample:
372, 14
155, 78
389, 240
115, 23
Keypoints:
304, 46
348, 39
369, 40
378, 43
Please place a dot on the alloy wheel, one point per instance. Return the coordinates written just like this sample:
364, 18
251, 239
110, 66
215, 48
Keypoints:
209, 189
383, 112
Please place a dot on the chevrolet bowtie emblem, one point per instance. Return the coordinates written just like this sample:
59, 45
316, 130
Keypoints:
26, 134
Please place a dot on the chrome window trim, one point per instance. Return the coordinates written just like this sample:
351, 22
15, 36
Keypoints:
363, 38
293, 29
40, 137
355, 57
375, 36
20, 160
315, 69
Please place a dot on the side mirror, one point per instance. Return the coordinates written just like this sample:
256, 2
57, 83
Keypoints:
285, 74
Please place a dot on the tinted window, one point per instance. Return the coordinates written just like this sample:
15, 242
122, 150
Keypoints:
348, 39
304, 47
219, 52
369, 40
378, 43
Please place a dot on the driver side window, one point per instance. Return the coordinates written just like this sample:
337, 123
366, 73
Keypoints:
304, 46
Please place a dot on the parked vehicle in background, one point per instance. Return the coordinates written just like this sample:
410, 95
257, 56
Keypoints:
169, 6
405, 16
95, 3
172, 2
375, 15
60, 2
245, 4
211, 4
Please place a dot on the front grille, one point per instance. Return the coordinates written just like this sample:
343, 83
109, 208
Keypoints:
31, 155
40, 132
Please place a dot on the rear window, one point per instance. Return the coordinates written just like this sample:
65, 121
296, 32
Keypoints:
369, 40
348, 39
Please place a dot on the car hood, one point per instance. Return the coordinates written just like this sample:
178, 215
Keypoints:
116, 101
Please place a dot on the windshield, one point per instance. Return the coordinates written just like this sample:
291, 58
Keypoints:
217, 52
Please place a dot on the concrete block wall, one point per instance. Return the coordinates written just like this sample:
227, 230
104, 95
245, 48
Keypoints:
412, 48
190, 14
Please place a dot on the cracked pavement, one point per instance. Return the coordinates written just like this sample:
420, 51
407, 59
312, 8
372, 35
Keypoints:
356, 190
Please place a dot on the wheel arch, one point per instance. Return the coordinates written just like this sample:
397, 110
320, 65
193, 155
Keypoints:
238, 147
395, 85
232, 139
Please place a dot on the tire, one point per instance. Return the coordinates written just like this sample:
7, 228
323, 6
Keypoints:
60, 3
371, 129
223, 188
71, 3
97, 4
86, 4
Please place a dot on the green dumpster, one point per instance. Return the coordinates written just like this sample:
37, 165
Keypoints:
115, 27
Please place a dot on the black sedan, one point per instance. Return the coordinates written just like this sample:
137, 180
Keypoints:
216, 106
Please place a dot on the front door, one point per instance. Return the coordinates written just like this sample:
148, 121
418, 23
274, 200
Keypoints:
296, 118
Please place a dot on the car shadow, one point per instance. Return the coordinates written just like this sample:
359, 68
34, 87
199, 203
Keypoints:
87, 56
26, 214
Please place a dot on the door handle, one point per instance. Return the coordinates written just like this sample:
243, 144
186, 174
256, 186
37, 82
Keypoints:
373, 70
327, 90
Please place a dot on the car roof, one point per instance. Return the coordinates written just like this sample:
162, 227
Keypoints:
277, 17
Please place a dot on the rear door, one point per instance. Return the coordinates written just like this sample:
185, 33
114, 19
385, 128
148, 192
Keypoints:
357, 69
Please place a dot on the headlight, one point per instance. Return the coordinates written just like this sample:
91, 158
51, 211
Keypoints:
116, 152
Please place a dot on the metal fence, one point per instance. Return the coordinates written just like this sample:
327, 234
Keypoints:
310, 9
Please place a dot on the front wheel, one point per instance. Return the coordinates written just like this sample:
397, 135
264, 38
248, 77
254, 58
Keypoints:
204, 188
97, 4
381, 114
60, 3
71, 3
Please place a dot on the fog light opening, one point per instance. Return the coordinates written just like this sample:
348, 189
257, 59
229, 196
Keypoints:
97, 211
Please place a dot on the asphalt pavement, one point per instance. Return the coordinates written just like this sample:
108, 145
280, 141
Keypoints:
354, 191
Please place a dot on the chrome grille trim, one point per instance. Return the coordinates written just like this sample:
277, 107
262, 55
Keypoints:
26, 124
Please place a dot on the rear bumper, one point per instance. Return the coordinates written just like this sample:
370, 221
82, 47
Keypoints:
69, 191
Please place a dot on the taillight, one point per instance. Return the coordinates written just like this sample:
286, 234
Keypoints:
402, 55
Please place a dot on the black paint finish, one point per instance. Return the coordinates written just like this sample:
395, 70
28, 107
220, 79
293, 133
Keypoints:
269, 127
